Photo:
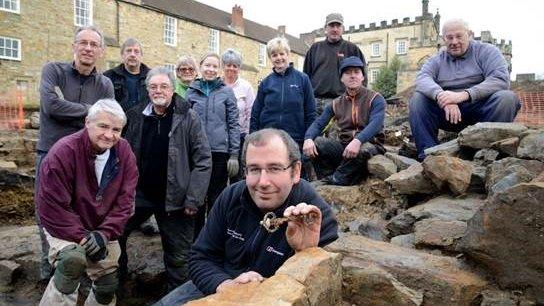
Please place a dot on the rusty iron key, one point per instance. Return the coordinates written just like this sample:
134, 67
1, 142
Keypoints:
272, 223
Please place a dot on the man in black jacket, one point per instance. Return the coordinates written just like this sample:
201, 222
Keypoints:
129, 77
234, 248
174, 163
323, 60
129, 85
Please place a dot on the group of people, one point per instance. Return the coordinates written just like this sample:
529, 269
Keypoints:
119, 147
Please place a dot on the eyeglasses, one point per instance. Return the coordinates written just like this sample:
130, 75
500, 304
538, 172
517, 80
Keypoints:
254, 171
84, 43
156, 87
186, 69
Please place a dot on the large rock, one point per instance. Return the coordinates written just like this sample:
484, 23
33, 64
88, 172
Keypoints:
450, 148
8, 165
372, 268
483, 134
450, 172
506, 236
402, 162
411, 181
510, 171
21, 245
436, 233
485, 157
443, 208
8, 271
381, 166
351, 202
477, 179
407, 241
310, 277
532, 146
508, 146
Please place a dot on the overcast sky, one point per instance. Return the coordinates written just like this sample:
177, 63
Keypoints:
519, 21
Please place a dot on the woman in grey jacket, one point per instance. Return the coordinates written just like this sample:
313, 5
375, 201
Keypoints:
216, 104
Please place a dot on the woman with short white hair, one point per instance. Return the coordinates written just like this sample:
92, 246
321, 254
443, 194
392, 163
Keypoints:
232, 63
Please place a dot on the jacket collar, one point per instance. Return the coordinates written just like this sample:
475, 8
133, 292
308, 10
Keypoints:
287, 71
120, 69
180, 106
74, 70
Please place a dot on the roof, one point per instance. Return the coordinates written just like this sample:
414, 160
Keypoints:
215, 18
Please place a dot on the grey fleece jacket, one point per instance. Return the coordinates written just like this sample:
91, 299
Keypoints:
481, 71
64, 100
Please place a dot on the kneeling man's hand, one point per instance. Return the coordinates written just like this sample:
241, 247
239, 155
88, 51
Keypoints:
352, 149
303, 227
309, 148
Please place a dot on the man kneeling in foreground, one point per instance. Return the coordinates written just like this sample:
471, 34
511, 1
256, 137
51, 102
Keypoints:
233, 248
85, 197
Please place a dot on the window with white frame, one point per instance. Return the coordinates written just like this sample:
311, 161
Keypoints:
10, 48
373, 75
170, 30
83, 12
170, 67
262, 55
10, 6
375, 49
402, 47
213, 41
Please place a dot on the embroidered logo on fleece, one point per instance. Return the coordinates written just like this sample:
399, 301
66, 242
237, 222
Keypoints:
234, 234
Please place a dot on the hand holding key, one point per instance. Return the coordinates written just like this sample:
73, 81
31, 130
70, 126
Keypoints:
303, 225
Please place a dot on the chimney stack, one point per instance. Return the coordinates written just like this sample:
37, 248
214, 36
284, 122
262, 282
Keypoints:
237, 19
281, 30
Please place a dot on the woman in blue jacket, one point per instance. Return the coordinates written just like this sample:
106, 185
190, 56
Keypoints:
215, 103
285, 98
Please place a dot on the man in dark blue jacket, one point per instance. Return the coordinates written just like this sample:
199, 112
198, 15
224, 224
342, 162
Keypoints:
234, 248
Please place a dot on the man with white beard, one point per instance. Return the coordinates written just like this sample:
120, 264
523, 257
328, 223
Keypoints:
174, 162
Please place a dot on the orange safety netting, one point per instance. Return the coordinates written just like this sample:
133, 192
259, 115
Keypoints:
12, 112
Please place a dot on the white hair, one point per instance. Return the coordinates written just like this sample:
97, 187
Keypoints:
109, 106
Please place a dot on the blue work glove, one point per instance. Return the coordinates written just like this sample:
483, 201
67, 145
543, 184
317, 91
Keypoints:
95, 246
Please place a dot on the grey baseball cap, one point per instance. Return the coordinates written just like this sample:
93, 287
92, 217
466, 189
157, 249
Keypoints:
334, 17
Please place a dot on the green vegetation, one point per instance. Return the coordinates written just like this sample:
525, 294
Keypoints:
386, 82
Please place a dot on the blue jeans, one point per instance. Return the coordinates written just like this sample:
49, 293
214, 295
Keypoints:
181, 295
426, 116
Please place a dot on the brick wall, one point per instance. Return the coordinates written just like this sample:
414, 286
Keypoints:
532, 109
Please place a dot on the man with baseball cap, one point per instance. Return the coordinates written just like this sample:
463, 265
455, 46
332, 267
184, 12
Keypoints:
323, 60
358, 115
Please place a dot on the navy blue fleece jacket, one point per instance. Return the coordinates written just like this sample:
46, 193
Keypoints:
233, 242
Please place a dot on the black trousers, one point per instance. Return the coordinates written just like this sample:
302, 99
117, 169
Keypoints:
218, 182
176, 230
344, 171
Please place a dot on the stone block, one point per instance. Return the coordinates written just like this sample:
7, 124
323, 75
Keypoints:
450, 148
506, 236
532, 146
483, 134
410, 274
8, 270
510, 171
310, 277
411, 181
381, 167
436, 233
448, 172
402, 162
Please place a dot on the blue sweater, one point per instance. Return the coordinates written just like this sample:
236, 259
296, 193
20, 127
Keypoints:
481, 71
284, 101
233, 241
